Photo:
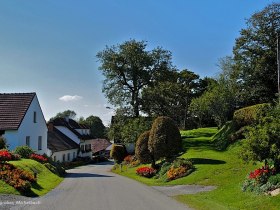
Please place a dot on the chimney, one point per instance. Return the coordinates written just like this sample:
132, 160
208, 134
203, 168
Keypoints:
50, 126
67, 119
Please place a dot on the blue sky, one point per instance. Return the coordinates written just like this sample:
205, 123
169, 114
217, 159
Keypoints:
49, 46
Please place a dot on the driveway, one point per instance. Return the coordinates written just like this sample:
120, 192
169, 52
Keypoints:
94, 187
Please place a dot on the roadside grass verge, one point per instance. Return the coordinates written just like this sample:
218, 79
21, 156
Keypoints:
46, 180
223, 169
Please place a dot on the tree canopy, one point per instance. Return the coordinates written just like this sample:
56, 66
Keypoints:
97, 128
128, 68
255, 54
67, 113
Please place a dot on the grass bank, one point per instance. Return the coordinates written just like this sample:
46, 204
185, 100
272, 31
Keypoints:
46, 180
223, 169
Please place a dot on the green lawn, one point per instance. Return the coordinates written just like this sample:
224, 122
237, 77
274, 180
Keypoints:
46, 180
223, 169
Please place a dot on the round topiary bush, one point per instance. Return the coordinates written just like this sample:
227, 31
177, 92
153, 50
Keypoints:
142, 152
24, 151
164, 139
118, 153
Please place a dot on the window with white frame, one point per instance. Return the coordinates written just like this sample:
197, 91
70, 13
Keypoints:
40, 143
34, 117
27, 141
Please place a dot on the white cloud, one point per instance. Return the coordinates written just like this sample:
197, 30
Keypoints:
67, 98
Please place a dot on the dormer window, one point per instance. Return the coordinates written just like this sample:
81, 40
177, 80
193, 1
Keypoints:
34, 117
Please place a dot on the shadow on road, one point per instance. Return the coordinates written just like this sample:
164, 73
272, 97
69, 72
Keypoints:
84, 175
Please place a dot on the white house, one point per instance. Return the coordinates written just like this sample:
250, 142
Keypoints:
22, 121
60, 147
76, 132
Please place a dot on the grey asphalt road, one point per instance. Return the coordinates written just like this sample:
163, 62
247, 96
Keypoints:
94, 187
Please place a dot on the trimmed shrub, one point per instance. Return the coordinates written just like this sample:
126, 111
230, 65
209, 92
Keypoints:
118, 153
164, 139
249, 115
24, 151
142, 152
3, 143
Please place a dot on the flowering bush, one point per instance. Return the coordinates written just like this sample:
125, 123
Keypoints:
180, 167
175, 173
5, 155
261, 175
39, 158
260, 180
128, 159
146, 172
17, 178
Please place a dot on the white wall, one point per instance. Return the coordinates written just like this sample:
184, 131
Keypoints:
68, 133
29, 128
59, 155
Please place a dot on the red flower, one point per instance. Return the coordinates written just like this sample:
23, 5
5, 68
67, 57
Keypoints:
39, 158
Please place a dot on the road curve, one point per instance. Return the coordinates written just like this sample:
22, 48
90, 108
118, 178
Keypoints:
94, 187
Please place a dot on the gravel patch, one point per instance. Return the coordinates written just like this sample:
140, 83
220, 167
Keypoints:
183, 189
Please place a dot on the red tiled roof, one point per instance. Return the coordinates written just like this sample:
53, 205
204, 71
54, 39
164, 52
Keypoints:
99, 145
13, 107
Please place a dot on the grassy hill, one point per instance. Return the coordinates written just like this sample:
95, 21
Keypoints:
46, 180
223, 169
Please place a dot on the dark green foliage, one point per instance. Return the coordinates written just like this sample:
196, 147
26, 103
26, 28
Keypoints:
118, 153
222, 138
263, 139
67, 113
24, 151
274, 180
97, 128
173, 96
251, 114
141, 148
126, 129
3, 143
165, 139
255, 54
55, 168
128, 68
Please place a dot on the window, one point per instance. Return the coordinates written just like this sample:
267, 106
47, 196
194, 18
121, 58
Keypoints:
68, 156
40, 143
27, 141
74, 154
54, 158
63, 158
35, 117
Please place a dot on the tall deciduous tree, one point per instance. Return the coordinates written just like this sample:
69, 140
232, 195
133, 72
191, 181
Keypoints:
173, 96
128, 68
67, 113
255, 54
96, 126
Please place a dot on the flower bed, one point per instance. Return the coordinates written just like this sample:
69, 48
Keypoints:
5, 155
39, 158
17, 178
146, 172
262, 180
